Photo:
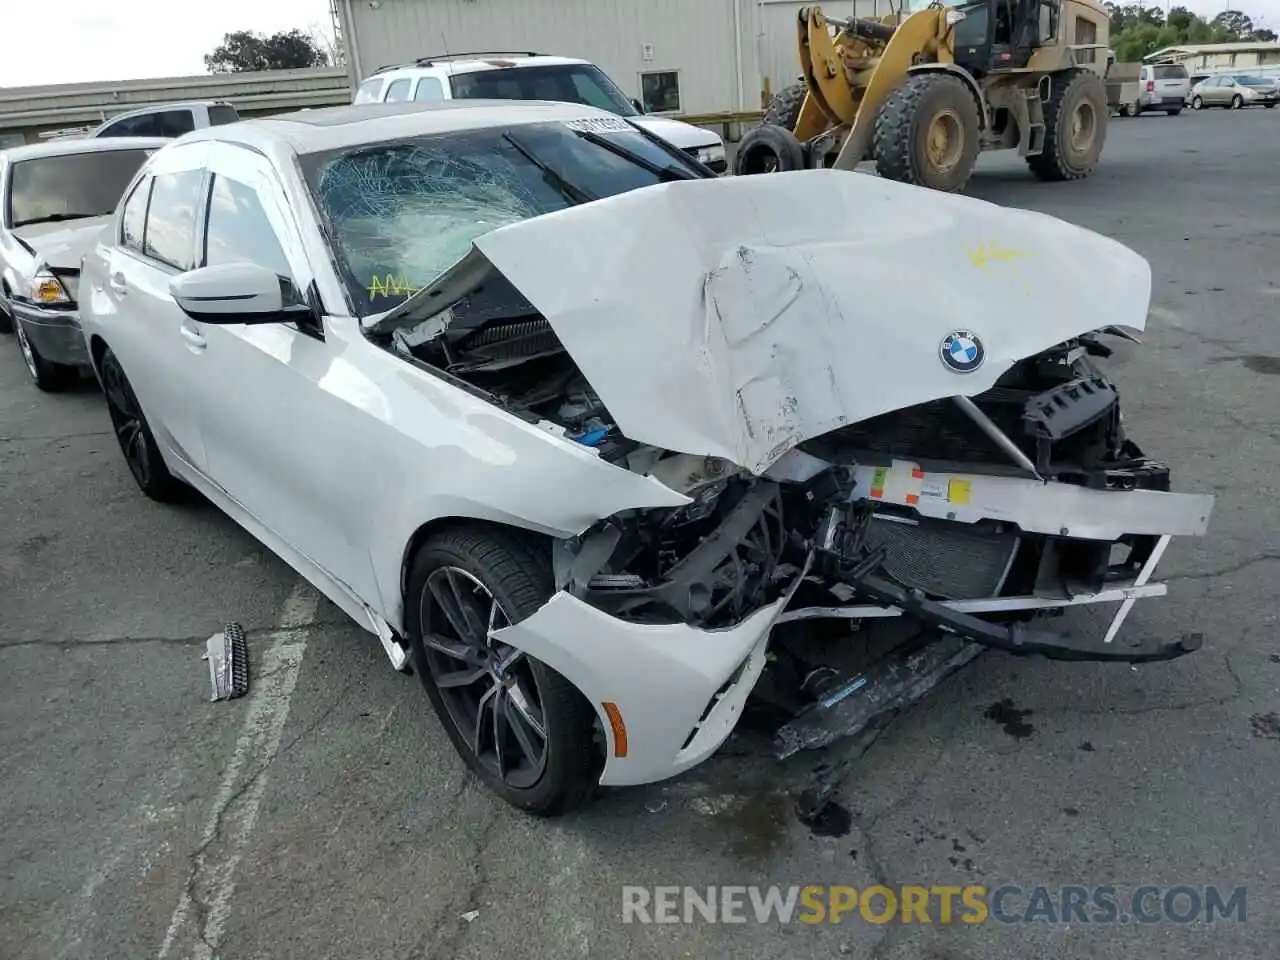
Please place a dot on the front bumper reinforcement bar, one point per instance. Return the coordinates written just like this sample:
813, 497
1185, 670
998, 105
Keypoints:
957, 617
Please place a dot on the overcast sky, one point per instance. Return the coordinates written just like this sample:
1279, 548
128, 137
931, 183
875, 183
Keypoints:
88, 40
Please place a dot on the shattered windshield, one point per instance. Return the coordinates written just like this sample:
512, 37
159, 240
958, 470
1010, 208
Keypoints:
71, 186
399, 214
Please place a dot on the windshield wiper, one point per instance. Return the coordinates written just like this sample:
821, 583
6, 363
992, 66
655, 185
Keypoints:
55, 218
667, 173
570, 190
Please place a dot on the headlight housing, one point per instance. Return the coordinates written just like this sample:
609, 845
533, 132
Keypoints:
710, 155
48, 291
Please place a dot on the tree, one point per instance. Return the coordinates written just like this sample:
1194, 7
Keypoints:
1137, 31
1263, 35
1233, 23
1181, 19
244, 51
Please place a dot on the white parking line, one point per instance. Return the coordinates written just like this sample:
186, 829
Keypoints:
201, 915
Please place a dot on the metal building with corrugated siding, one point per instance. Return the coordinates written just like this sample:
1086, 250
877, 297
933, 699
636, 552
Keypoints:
675, 56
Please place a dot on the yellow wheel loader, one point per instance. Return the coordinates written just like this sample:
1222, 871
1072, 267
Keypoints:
922, 92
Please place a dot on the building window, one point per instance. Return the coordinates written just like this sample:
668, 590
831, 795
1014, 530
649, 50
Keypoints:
660, 91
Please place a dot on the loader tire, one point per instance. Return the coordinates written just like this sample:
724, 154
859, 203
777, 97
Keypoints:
784, 106
927, 133
768, 149
1075, 127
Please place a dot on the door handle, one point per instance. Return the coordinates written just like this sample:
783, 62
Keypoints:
118, 283
193, 337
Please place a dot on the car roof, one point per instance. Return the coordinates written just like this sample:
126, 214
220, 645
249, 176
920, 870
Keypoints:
332, 128
450, 67
59, 148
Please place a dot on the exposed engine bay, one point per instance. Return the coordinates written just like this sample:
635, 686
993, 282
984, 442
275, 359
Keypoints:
820, 514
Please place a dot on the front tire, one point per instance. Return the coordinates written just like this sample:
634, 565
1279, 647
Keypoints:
1074, 127
45, 374
784, 106
133, 433
927, 133
519, 726
1237, 102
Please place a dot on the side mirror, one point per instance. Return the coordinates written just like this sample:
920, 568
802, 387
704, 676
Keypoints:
635, 102
238, 293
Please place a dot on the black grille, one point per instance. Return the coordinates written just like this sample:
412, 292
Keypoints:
944, 559
940, 431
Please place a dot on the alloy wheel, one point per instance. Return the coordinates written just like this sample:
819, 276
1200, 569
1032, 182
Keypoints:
28, 355
126, 420
488, 688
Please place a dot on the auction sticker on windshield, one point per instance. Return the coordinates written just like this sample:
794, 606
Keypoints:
599, 125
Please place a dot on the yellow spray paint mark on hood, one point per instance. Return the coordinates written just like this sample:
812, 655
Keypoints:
988, 254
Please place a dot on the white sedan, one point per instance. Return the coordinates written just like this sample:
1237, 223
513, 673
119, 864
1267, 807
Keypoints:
523, 391
54, 199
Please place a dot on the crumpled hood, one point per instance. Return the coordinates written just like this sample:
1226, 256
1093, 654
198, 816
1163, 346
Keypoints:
62, 245
738, 317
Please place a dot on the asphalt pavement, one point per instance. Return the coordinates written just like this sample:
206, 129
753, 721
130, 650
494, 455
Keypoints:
326, 815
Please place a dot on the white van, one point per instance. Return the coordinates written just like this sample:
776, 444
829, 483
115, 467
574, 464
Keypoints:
532, 76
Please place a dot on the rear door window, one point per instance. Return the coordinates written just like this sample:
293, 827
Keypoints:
171, 218
222, 113
142, 125
399, 90
429, 88
369, 91
174, 123
1171, 73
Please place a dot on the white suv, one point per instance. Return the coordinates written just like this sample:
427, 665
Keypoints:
1163, 86
531, 76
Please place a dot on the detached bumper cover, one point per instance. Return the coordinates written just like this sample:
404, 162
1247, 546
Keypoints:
679, 690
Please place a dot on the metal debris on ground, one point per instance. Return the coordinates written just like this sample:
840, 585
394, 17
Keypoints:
228, 656
848, 704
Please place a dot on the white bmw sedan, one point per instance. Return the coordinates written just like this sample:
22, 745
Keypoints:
571, 424
246, 316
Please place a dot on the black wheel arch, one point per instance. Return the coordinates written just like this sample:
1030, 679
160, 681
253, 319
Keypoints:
532, 539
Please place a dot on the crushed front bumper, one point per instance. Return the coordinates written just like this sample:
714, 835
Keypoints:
669, 694
1064, 512
678, 690
54, 334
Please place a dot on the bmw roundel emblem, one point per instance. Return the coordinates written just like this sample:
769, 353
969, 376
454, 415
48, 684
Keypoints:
961, 351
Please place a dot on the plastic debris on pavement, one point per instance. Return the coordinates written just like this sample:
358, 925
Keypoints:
227, 653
